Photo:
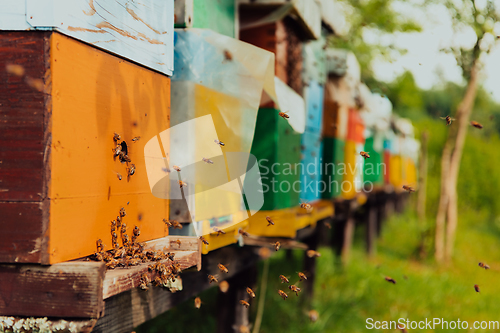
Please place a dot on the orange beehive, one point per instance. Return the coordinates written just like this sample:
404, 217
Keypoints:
61, 103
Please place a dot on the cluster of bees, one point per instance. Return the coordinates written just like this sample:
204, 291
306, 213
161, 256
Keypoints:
118, 152
132, 253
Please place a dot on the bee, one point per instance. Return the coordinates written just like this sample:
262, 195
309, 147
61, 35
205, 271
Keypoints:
206, 160
144, 281
98, 256
168, 223
220, 143
408, 188
203, 240
117, 150
124, 228
176, 224
171, 256
122, 212
224, 286
119, 175
212, 278
136, 231
364, 154
243, 233
176, 168
476, 124
197, 302
219, 231
166, 170
118, 220
116, 138
328, 225
313, 315
391, 280
284, 279
269, 221
483, 265
131, 170
99, 245
125, 158
283, 115
313, 254
250, 292
223, 268
448, 119
277, 245
302, 276
228, 55
244, 303
158, 282
113, 235
112, 264
476, 288
306, 206
136, 139
282, 294
178, 242
182, 184
294, 289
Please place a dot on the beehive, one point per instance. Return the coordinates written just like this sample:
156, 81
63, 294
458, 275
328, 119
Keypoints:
62, 102
333, 167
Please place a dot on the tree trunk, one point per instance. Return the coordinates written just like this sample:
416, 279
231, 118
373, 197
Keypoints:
443, 201
463, 117
422, 177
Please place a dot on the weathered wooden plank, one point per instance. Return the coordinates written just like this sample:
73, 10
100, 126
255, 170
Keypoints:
65, 290
141, 31
23, 237
22, 123
10, 324
127, 310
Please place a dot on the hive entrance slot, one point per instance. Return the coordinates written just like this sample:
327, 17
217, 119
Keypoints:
124, 150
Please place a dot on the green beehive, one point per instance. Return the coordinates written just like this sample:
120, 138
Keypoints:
333, 167
277, 149
373, 167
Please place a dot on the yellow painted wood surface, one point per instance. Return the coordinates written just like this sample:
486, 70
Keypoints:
396, 172
284, 223
322, 209
95, 94
231, 230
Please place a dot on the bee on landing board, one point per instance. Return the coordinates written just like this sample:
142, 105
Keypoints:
144, 281
203, 240
220, 143
219, 231
313, 254
448, 119
408, 188
99, 245
364, 154
245, 303
476, 288
302, 276
294, 289
476, 124
284, 279
269, 221
178, 242
483, 265
212, 278
222, 268
277, 245
250, 292
197, 302
391, 280
282, 294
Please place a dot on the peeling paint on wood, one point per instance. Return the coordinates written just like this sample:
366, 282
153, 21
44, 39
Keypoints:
141, 31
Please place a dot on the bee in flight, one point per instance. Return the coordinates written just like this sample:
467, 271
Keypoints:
223, 268
364, 154
483, 265
203, 240
219, 231
294, 289
220, 143
228, 55
448, 119
277, 245
250, 292
284, 279
131, 170
283, 115
243, 233
176, 168
269, 221
391, 280
197, 302
136, 139
282, 294
313, 254
302, 276
182, 184
212, 278
245, 303
408, 188
476, 124
476, 288
206, 160
306, 206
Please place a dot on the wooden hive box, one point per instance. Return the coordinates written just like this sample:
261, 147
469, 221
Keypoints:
61, 101
374, 168
333, 158
310, 177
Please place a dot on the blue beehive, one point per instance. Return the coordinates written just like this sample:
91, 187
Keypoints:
310, 178
313, 95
